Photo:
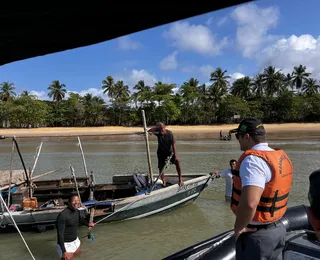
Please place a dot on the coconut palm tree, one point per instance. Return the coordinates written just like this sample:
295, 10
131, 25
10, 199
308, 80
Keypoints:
7, 91
57, 91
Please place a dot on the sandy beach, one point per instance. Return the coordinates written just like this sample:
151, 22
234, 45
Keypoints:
274, 131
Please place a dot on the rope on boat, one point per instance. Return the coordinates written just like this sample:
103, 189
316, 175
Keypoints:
16, 226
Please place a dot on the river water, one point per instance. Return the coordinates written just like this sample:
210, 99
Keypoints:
156, 236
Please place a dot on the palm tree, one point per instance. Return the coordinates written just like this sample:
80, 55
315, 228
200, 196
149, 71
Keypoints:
258, 85
272, 80
310, 87
299, 75
242, 88
7, 91
221, 80
57, 91
109, 87
142, 89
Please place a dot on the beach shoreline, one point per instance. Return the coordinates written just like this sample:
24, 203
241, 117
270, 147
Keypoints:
274, 131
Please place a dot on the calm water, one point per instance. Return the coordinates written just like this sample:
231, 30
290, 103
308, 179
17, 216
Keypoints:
157, 236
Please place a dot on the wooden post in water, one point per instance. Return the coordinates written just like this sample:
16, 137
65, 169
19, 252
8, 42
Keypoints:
92, 186
147, 145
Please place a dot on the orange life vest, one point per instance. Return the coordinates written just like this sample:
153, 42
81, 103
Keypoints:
273, 202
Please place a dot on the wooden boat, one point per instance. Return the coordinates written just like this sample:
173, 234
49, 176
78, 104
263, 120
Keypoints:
37, 203
124, 199
48, 200
301, 242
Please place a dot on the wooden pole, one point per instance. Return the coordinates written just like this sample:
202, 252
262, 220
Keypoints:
38, 151
147, 145
10, 177
83, 159
92, 185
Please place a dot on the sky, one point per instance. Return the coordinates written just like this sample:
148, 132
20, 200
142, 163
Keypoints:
242, 39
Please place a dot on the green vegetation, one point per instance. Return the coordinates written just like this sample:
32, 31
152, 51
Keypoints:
270, 95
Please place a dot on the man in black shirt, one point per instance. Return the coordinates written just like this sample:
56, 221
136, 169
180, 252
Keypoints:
67, 229
166, 146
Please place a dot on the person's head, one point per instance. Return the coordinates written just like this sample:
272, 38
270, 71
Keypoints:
73, 202
161, 127
314, 192
233, 164
249, 133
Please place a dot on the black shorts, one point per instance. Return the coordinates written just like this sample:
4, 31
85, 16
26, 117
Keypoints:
162, 160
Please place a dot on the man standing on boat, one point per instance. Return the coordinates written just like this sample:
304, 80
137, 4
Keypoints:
261, 185
67, 229
166, 147
227, 174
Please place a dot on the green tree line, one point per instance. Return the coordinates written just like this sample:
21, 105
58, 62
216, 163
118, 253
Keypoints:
271, 95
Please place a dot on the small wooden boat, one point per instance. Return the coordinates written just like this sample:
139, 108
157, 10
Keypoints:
37, 203
124, 199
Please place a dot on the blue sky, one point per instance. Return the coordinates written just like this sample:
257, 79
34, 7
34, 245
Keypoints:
242, 40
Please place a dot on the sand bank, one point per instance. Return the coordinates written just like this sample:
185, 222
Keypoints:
274, 131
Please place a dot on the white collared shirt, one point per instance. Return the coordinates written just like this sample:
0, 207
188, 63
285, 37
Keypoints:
255, 171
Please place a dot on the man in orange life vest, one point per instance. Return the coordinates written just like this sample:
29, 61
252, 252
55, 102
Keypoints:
261, 185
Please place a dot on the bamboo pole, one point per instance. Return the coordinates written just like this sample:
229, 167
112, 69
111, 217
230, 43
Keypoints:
36, 159
38, 151
83, 159
92, 186
10, 176
147, 145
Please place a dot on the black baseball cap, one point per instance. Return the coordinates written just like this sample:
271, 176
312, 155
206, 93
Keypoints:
250, 125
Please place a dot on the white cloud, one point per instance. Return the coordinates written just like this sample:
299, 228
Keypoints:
197, 38
169, 62
253, 24
234, 76
293, 51
42, 95
222, 21
132, 77
126, 43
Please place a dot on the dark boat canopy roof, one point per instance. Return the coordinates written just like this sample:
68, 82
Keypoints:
44, 29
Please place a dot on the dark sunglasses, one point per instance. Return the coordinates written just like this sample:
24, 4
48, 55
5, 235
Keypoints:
237, 135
